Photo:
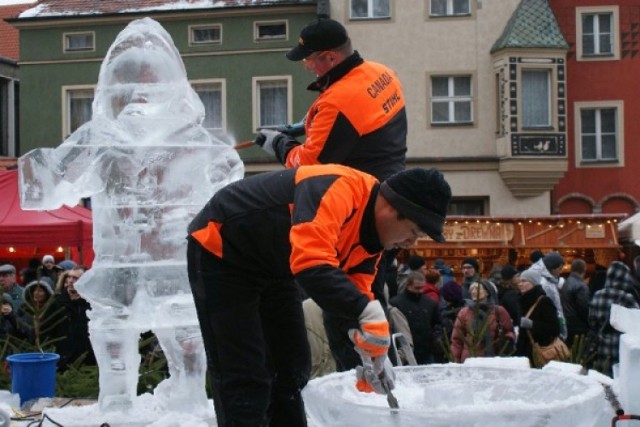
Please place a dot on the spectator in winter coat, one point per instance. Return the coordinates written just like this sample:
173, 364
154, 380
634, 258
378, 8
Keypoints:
542, 322
482, 328
619, 288
470, 274
75, 325
423, 317
8, 325
574, 296
446, 274
550, 267
9, 285
452, 303
38, 317
49, 268
415, 263
508, 293
432, 278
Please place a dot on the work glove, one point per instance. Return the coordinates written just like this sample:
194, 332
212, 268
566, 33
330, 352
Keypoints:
375, 375
526, 323
373, 338
266, 139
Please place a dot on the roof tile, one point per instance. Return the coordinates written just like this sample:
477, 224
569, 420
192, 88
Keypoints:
532, 25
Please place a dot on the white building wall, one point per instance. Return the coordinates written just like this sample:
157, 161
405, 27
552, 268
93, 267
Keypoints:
415, 45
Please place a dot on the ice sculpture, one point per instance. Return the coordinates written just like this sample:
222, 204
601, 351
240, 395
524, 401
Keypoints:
455, 395
626, 320
149, 166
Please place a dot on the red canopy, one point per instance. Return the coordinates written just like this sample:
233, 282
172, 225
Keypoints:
66, 227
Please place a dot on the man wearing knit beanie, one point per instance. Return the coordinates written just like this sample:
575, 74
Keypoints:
470, 274
549, 267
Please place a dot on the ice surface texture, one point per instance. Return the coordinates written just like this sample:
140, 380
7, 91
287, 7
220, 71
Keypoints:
458, 395
148, 165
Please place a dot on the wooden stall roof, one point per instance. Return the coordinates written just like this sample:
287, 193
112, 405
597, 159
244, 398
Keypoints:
591, 231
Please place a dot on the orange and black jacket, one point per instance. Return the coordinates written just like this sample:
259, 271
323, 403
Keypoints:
314, 224
358, 120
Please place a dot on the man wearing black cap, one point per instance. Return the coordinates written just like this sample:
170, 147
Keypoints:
322, 228
359, 118
9, 285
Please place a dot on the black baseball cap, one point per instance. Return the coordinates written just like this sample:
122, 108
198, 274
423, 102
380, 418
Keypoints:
321, 34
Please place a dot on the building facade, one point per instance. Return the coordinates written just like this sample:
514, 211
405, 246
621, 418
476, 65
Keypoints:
603, 65
233, 52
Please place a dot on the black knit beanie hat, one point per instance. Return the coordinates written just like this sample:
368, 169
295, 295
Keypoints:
420, 195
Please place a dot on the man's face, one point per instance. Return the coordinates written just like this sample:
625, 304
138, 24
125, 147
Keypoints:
416, 286
397, 233
556, 271
7, 279
70, 281
49, 264
468, 270
319, 63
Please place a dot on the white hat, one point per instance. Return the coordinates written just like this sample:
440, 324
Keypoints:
48, 258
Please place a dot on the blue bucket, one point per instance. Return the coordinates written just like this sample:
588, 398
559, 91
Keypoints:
33, 375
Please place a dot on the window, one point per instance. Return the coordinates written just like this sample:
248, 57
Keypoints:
271, 30
205, 34
597, 30
451, 100
464, 206
598, 129
75, 42
450, 7
77, 108
536, 98
211, 94
599, 136
272, 101
370, 9
597, 38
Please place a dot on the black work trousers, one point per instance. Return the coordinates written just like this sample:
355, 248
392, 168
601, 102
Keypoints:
256, 342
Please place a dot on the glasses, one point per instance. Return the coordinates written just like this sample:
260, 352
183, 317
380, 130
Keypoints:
315, 56
467, 267
70, 277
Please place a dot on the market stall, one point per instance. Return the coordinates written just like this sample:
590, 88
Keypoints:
64, 233
504, 240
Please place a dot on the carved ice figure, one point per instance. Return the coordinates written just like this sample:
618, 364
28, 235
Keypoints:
148, 166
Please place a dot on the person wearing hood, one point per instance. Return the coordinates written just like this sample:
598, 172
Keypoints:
37, 317
75, 323
423, 316
542, 321
549, 267
482, 328
619, 288
8, 325
446, 275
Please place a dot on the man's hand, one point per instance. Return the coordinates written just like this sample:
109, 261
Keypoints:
375, 376
372, 339
266, 139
